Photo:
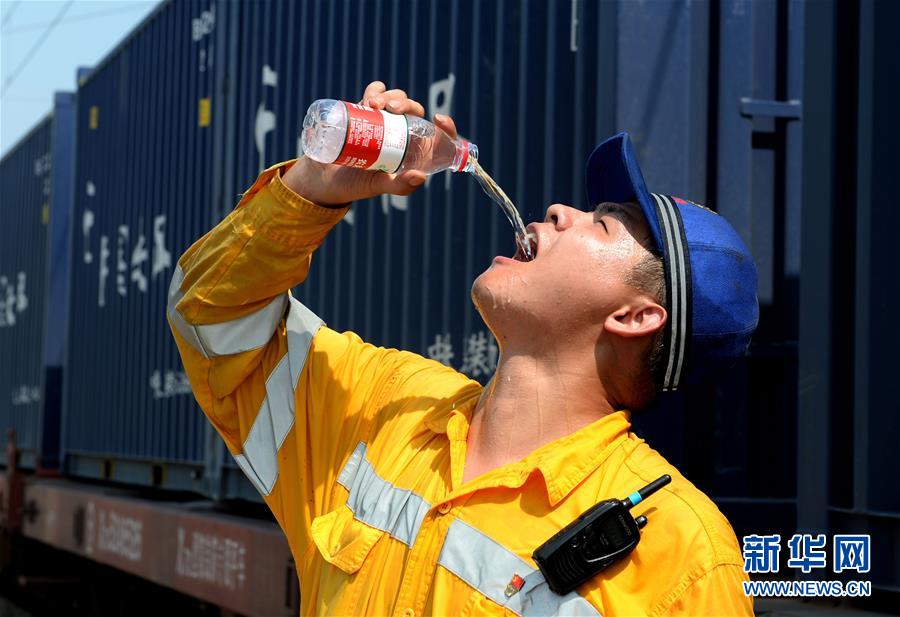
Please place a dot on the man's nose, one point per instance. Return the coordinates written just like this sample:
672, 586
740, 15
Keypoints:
562, 217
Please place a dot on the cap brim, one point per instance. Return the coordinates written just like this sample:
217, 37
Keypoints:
612, 174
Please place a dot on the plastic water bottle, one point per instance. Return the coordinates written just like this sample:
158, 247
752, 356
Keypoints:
356, 136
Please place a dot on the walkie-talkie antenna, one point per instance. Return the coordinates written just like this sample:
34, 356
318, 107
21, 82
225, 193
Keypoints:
641, 494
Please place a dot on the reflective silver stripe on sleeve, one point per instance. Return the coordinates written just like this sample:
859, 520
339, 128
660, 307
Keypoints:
259, 457
302, 325
489, 567
378, 503
241, 461
230, 337
271, 426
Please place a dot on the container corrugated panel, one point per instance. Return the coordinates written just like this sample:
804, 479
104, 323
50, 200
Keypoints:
25, 183
143, 193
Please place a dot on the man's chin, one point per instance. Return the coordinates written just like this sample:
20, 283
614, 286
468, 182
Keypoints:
497, 273
483, 287
496, 294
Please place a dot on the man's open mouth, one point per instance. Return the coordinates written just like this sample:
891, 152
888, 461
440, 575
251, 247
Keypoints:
531, 239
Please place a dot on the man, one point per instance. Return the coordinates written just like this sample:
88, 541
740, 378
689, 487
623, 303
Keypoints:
405, 488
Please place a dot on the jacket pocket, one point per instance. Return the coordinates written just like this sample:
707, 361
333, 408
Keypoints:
342, 540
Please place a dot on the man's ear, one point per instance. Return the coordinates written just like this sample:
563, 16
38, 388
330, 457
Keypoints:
640, 318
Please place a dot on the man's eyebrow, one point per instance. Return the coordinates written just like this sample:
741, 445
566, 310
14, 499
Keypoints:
624, 207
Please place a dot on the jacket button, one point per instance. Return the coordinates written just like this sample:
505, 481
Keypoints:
444, 508
409, 613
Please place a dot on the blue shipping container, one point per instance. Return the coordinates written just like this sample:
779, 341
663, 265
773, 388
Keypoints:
35, 181
25, 177
143, 191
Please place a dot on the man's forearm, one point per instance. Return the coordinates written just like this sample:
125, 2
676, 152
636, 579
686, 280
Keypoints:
260, 250
305, 178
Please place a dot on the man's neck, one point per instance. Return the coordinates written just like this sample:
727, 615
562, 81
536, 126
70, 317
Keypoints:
531, 401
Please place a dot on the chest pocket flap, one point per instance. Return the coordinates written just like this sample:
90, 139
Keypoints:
343, 541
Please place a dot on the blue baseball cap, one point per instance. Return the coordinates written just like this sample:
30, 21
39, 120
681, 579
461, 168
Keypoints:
710, 276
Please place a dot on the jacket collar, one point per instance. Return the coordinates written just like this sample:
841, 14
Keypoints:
563, 464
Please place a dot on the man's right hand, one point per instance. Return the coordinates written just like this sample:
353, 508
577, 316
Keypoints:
335, 185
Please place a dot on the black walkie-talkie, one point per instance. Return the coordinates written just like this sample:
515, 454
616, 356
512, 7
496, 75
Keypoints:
595, 540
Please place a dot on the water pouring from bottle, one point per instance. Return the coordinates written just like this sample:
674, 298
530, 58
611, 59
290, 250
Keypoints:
493, 190
357, 136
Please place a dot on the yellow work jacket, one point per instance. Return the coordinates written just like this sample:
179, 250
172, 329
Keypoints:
359, 452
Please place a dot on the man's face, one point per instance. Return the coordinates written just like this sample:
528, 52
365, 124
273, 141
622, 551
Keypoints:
576, 279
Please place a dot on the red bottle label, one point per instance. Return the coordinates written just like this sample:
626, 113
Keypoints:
375, 139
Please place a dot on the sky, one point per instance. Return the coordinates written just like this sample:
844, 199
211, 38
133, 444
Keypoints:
39, 57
